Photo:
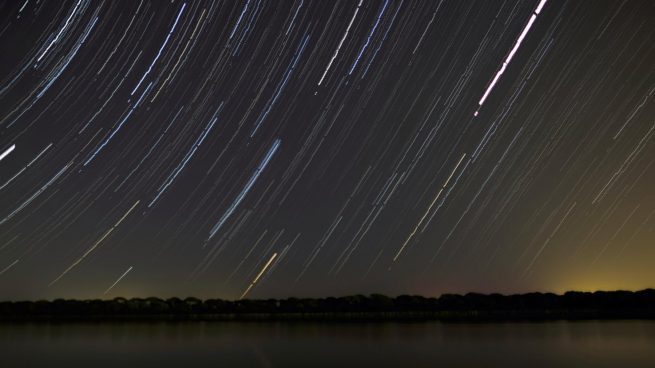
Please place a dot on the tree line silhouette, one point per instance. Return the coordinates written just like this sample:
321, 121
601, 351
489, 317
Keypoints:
448, 307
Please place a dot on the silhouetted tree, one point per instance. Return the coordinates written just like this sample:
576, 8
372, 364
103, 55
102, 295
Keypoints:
573, 304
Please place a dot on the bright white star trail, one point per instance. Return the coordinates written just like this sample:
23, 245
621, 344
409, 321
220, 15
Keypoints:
511, 54
7, 151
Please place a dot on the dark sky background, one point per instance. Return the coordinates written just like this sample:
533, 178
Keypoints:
310, 148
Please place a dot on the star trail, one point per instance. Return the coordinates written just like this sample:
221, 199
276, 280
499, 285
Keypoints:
260, 148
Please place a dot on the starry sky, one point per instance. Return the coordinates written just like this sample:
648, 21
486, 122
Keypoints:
260, 148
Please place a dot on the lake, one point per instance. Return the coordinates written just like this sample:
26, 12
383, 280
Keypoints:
306, 344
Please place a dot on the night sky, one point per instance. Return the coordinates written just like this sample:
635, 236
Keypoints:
260, 148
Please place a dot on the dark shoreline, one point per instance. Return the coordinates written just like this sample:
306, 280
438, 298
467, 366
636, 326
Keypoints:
471, 307
336, 317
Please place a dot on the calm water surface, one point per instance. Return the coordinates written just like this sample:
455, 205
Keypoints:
302, 344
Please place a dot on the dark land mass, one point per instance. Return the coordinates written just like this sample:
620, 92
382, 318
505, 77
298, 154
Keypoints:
471, 307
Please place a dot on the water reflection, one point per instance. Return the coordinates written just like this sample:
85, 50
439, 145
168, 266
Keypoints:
302, 344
